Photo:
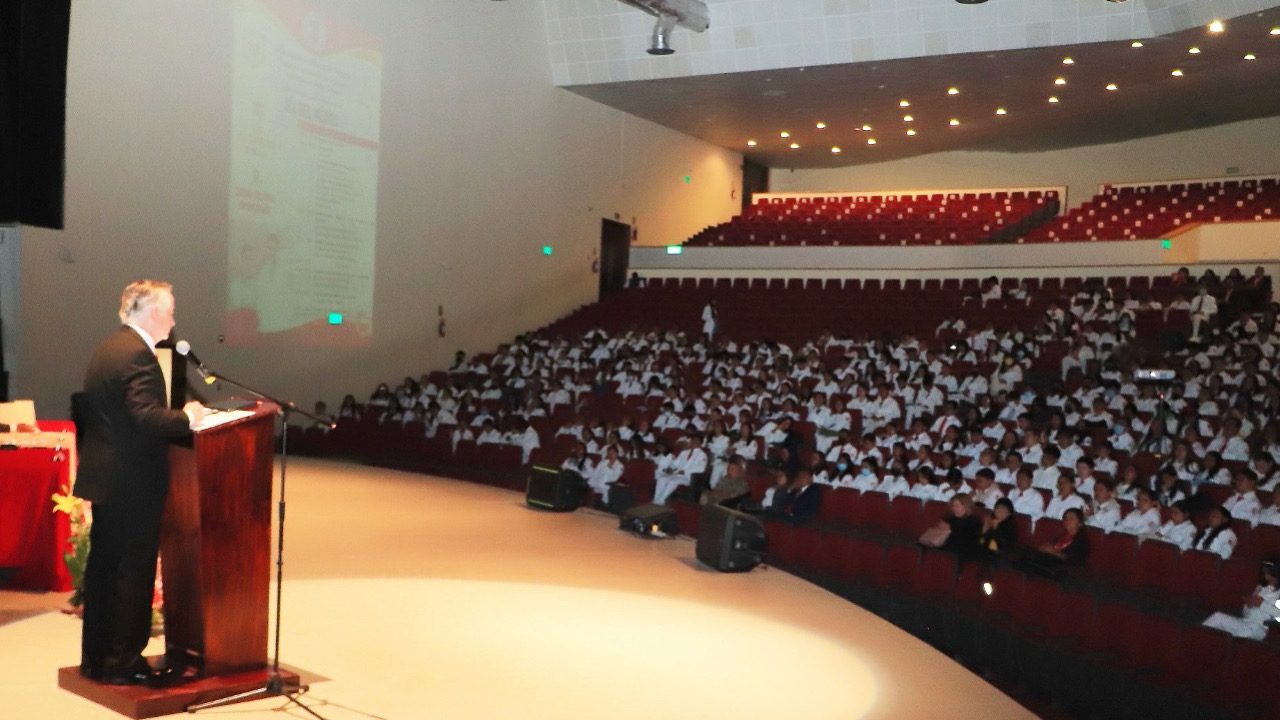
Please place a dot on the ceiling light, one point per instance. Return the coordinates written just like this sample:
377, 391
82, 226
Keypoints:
904, 103
751, 143
1194, 50
1001, 111
1250, 56
954, 122
1176, 73
1060, 81
784, 134
821, 125
907, 118
1112, 86
1136, 43
795, 146
835, 150
953, 91
866, 128
871, 141
1068, 61
911, 131
1217, 26
1053, 98
1275, 31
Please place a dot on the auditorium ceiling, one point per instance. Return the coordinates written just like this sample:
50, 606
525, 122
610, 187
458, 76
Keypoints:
1107, 92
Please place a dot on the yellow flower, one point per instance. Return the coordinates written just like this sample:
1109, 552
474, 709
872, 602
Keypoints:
65, 503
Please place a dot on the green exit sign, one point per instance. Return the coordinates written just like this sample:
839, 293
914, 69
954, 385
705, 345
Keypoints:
1166, 244
335, 318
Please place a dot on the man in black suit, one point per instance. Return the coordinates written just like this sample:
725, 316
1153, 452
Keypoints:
126, 427
806, 498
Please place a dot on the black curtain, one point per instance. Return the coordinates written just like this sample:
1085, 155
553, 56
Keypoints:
33, 105
755, 179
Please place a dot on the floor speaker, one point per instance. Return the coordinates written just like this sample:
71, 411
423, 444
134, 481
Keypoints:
730, 541
554, 489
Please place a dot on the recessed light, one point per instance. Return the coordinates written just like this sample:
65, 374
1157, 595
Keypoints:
1112, 86
784, 134
1193, 50
1001, 111
871, 141
954, 122
1275, 31
835, 150
953, 91
1068, 61
866, 128
1060, 81
1053, 98
907, 118
751, 143
795, 146
1176, 73
1250, 56
821, 125
911, 131
904, 103
1136, 44
1216, 26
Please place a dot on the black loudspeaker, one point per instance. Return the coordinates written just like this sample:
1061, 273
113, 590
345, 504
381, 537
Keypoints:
622, 497
730, 541
650, 520
554, 489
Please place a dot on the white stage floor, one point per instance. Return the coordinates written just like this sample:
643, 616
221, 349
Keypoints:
414, 597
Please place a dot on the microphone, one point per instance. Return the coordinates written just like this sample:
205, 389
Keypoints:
183, 348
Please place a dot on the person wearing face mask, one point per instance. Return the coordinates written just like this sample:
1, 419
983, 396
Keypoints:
866, 479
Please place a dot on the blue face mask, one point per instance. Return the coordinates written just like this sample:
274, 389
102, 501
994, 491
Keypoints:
1118, 429
865, 471
842, 466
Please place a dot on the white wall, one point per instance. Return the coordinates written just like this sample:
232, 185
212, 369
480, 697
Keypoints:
1248, 146
483, 161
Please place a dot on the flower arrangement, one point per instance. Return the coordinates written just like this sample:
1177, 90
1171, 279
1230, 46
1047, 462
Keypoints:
76, 554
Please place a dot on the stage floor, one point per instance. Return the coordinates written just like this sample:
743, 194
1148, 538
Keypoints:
417, 597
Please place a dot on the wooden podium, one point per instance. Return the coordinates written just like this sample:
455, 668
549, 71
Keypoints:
215, 549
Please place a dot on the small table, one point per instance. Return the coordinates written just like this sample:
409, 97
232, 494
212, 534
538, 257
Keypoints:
33, 536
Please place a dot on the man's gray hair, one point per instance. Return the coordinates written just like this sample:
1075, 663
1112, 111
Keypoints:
139, 296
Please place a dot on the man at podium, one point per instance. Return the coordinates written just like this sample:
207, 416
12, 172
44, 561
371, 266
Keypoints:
127, 425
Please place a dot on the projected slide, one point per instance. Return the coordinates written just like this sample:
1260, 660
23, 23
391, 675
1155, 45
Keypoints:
306, 92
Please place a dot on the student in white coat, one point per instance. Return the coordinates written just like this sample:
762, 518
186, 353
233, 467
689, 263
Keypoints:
1143, 519
1065, 499
1244, 504
1217, 537
689, 462
603, 476
1259, 607
1026, 499
1103, 512
1178, 529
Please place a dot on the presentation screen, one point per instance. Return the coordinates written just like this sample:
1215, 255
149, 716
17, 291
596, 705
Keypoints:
302, 226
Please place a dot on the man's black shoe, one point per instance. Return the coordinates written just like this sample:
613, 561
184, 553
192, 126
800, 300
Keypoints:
137, 673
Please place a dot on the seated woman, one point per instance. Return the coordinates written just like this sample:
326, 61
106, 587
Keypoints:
961, 526
999, 532
1259, 607
1069, 550
1178, 530
1217, 537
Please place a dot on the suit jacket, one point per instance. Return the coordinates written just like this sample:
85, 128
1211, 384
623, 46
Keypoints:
126, 423
805, 502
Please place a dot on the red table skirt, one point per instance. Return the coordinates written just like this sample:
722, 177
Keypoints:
32, 536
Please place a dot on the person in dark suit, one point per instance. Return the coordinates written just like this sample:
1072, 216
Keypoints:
126, 428
806, 498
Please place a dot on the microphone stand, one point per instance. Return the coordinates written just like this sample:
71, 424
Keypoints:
274, 685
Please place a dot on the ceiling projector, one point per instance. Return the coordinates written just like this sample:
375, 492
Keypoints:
691, 14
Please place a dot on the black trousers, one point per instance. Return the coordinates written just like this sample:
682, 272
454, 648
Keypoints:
119, 581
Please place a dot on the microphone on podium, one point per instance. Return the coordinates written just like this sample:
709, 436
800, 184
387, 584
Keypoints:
183, 348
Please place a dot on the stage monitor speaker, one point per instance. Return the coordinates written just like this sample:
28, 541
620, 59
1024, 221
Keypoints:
730, 541
650, 520
554, 489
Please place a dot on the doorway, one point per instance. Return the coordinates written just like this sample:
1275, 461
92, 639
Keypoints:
615, 255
